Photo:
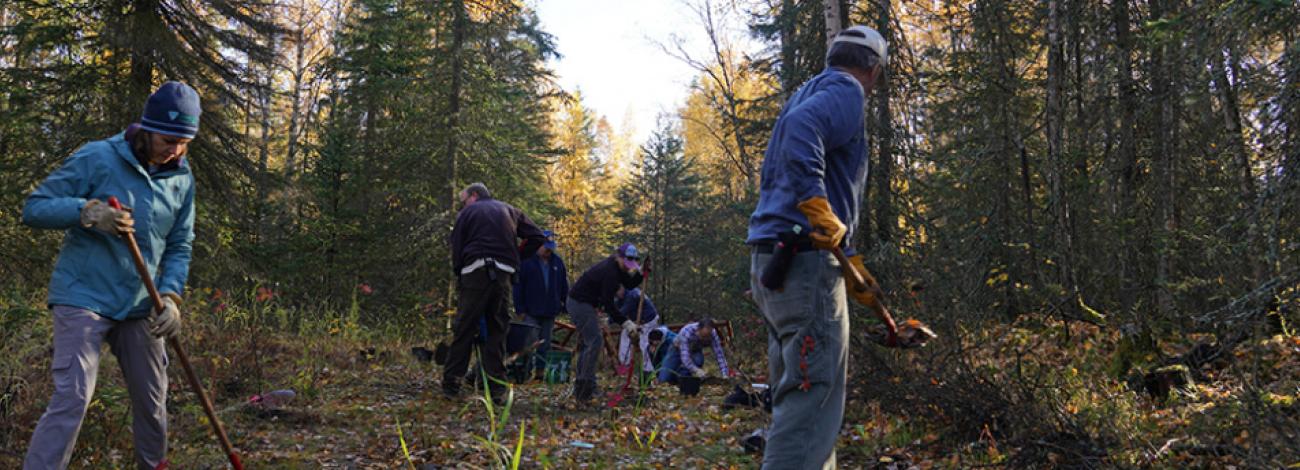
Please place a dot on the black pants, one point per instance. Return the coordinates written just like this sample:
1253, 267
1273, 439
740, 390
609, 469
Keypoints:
481, 296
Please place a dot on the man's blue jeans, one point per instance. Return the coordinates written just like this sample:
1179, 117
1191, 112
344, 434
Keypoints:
807, 355
672, 368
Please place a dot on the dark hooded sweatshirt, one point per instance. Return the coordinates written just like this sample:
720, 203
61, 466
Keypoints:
599, 285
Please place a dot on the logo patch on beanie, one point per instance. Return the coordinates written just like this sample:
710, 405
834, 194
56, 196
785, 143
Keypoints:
172, 115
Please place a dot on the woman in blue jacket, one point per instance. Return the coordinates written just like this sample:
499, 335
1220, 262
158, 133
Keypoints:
95, 294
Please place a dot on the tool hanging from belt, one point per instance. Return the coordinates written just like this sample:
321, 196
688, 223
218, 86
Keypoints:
789, 244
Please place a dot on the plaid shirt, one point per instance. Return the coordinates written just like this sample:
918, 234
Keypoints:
688, 339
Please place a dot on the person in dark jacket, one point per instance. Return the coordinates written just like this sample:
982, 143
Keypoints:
661, 342
485, 257
96, 295
540, 291
597, 289
637, 307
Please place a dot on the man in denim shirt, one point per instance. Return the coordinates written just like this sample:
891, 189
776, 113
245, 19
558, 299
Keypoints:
813, 175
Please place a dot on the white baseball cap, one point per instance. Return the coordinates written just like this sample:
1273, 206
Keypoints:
865, 37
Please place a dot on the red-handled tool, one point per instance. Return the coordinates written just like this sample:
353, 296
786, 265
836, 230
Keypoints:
849, 272
143, 270
617, 397
859, 284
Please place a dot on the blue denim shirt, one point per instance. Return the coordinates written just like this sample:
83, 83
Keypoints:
818, 148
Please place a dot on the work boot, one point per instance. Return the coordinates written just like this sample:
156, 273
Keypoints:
499, 395
583, 390
451, 390
440, 353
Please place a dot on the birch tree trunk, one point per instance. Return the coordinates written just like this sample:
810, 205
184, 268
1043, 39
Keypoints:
831, 13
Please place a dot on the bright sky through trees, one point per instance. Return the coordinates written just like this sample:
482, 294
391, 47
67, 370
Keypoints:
611, 53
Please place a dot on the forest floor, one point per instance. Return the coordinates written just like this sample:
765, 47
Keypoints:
358, 407
361, 409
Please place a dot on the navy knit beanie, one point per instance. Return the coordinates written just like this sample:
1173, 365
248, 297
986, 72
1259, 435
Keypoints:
172, 110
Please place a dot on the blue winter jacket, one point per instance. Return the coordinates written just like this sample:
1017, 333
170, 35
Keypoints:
538, 295
818, 148
95, 270
629, 304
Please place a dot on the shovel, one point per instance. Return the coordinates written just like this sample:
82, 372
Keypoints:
175, 343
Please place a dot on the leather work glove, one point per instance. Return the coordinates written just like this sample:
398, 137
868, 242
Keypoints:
167, 323
827, 231
629, 326
868, 295
99, 216
700, 373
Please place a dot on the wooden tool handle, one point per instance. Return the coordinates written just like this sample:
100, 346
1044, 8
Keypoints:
851, 274
143, 270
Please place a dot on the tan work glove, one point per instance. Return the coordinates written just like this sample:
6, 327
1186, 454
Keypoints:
99, 216
167, 323
869, 296
827, 231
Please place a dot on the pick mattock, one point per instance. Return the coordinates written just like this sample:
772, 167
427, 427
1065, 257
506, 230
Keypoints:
175, 343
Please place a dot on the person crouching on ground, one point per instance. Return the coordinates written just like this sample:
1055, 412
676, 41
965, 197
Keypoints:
661, 342
96, 295
686, 358
634, 306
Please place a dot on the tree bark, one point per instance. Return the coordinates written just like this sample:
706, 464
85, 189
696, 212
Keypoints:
886, 219
144, 23
831, 14
1055, 130
453, 100
299, 74
1233, 143
1165, 95
789, 58
452, 126
1127, 152
1289, 177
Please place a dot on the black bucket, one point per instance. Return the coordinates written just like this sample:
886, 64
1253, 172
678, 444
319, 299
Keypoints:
520, 336
689, 386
